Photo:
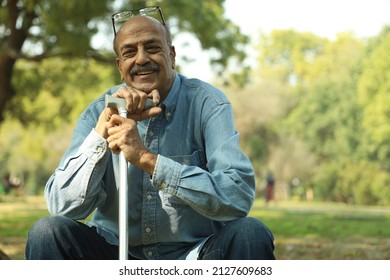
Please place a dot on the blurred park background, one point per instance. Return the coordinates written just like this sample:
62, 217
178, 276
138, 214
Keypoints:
313, 111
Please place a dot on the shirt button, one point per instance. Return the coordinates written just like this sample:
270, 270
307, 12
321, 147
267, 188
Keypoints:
151, 133
163, 185
148, 197
168, 114
148, 229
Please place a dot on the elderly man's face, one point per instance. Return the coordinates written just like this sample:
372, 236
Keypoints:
144, 58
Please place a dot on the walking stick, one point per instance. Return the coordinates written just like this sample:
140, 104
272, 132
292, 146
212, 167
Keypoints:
120, 105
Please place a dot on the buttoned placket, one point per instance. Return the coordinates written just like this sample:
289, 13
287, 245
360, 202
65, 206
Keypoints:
149, 205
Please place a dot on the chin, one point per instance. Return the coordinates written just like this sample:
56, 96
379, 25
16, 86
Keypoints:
145, 87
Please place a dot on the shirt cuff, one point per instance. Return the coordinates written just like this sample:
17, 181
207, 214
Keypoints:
166, 175
94, 146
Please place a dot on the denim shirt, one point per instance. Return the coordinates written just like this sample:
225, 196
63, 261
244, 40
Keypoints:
201, 179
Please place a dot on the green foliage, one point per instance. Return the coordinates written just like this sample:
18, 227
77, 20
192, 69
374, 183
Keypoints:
260, 141
286, 55
361, 183
62, 23
54, 93
374, 95
219, 35
339, 96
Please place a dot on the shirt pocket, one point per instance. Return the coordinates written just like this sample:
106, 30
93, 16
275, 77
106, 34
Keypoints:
197, 158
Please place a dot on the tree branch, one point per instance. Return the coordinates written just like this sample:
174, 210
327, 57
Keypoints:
92, 54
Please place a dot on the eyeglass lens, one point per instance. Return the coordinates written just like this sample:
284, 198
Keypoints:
121, 17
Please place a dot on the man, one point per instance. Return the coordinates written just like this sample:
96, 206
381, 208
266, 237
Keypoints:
190, 186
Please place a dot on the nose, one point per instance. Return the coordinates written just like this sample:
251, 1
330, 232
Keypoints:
142, 57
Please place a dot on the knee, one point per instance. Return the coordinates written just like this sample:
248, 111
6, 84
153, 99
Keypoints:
251, 238
47, 227
252, 229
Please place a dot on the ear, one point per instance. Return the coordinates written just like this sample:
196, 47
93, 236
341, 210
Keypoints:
118, 65
172, 55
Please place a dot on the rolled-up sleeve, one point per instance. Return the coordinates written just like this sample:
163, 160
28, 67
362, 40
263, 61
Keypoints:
75, 188
222, 190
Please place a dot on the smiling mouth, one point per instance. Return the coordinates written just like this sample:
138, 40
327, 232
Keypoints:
145, 73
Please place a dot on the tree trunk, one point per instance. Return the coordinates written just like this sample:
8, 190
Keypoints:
11, 49
6, 91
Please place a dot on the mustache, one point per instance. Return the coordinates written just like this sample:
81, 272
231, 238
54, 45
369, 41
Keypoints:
144, 68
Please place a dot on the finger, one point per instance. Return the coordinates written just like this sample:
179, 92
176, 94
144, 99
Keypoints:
113, 125
114, 147
136, 100
139, 99
116, 137
155, 95
154, 111
109, 112
107, 117
122, 92
130, 94
111, 139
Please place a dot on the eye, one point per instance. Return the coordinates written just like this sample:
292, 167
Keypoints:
153, 48
129, 52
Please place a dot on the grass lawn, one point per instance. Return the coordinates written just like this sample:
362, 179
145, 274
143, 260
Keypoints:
327, 231
302, 230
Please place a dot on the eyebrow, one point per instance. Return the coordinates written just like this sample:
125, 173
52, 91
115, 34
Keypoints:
148, 41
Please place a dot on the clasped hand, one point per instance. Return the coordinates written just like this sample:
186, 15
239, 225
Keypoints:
122, 133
